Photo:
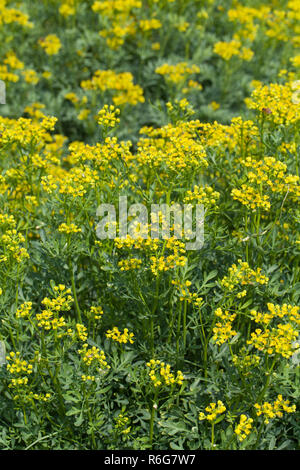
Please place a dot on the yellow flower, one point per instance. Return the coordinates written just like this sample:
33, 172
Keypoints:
51, 44
177, 73
243, 429
215, 105
67, 8
121, 84
278, 99
81, 332
129, 264
213, 410
24, 310
68, 228
241, 274
30, 76
227, 49
93, 356
96, 312
107, 116
83, 115
122, 338
275, 409
12, 60
160, 374
148, 25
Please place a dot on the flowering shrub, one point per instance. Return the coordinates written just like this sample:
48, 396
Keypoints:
136, 341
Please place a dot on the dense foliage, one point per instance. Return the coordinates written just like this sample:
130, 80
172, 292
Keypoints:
135, 341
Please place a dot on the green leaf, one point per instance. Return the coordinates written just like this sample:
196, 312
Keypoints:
73, 411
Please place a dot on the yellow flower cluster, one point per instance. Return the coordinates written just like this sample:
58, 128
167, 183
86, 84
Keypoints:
88, 378
68, 228
71, 96
275, 409
122, 338
279, 340
81, 332
250, 197
74, 183
34, 110
246, 16
24, 310
100, 155
122, 20
223, 329
233, 48
241, 274
295, 61
115, 36
177, 73
213, 411
243, 429
111, 7
158, 263
165, 263
162, 263
272, 174
245, 362
160, 374
30, 76
19, 369
12, 60
192, 85
96, 312
220, 137
67, 8
62, 300
277, 99
7, 220
138, 243
122, 424
25, 131
107, 116
10, 246
148, 25
12, 15
277, 311
186, 295
45, 320
6, 75
36, 396
171, 149
180, 110
202, 195
130, 264
51, 44
93, 356
16, 365
283, 23
48, 319
120, 84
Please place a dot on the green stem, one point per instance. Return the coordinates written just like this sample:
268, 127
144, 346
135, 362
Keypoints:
246, 230
212, 435
262, 393
153, 410
184, 324
178, 335
79, 319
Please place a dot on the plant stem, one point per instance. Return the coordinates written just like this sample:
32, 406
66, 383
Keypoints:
153, 409
79, 319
